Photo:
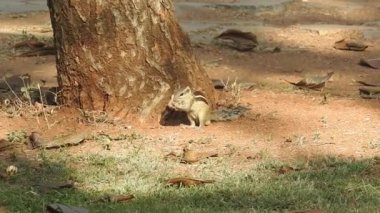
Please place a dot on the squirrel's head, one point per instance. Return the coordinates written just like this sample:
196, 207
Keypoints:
182, 99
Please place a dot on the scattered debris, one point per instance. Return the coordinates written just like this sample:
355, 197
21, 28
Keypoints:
190, 156
306, 211
32, 44
95, 116
186, 182
247, 86
228, 113
221, 85
236, 39
5, 145
171, 156
285, 169
45, 187
71, 140
62, 208
17, 136
350, 45
2, 176
34, 140
372, 63
264, 49
11, 170
313, 82
36, 48
116, 198
66, 185
39, 52
369, 84
369, 92
324, 99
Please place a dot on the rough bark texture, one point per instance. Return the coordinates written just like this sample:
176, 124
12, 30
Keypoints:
124, 57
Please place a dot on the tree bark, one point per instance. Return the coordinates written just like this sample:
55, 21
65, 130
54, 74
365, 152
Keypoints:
124, 57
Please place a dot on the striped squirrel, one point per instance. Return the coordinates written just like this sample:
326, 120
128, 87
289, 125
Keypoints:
198, 110
194, 104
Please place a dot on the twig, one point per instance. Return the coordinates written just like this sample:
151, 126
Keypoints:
323, 144
9, 86
43, 108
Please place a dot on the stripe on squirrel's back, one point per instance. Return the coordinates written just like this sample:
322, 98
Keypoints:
199, 93
200, 98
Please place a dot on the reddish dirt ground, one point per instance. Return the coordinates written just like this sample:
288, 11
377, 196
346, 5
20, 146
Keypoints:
284, 123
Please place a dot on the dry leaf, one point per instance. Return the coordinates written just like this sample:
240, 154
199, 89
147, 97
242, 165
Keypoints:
116, 198
65, 185
369, 84
369, 92
190, 156
285, 169
62, 208
186, 182
171, 156
306, 211
120, 198
373, 63
39, 52
313, 82
30, 43
242, 41
350, 45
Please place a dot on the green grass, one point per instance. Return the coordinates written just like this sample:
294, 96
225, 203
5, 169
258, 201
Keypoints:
328, 183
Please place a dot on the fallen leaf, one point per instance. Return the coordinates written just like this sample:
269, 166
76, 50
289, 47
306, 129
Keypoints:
313, 82
369, 92
71, 140
368, 84
121, 198
62, 208
116, 198
350, 45
39, 52
372, 63
65, 185
32, 43
191, 156
285, 169
242, 41
3, 210
186, 182
171, 156
306, 211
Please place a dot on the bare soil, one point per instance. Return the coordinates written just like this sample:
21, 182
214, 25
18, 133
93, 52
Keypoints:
284, 123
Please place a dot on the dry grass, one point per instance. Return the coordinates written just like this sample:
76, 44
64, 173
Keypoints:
132, 166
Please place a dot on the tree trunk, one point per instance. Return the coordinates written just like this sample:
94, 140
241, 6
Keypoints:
124, 57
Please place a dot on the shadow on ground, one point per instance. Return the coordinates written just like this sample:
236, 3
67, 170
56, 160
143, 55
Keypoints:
328, 183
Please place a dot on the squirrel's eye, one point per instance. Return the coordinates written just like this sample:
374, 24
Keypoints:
181, 94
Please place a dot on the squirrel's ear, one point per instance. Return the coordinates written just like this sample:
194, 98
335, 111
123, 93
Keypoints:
187, 89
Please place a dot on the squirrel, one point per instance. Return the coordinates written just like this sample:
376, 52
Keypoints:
198, 109
194, 104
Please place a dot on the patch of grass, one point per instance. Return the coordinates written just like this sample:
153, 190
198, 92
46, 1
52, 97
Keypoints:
328, 183
17, 136
374, 144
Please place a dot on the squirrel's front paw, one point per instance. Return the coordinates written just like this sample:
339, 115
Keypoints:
188, 126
